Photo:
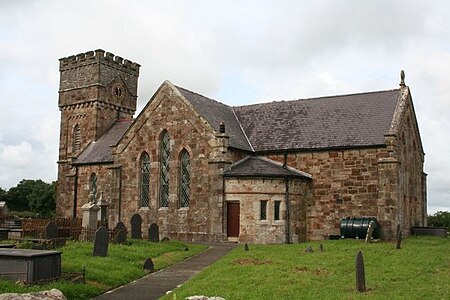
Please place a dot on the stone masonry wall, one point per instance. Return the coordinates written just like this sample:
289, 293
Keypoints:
345, 184
250, 192
187, 130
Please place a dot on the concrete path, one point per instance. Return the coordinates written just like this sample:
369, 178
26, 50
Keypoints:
155, 285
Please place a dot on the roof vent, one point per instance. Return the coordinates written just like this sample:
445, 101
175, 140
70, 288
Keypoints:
222, 127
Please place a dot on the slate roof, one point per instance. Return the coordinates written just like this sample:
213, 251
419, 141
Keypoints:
355, 120
99, 151
257, 166
215, 112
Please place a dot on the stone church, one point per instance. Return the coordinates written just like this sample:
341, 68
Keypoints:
284, 171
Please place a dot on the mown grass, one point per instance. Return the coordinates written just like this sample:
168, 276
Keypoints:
419, 270
122, 265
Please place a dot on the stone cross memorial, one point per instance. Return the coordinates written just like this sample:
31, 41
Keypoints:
101, 241
136, 223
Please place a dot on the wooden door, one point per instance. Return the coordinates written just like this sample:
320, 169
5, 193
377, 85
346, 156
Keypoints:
233, 219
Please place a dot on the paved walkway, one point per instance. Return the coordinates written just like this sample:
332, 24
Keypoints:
155, 285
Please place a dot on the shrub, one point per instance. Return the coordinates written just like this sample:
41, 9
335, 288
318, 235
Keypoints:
439, 219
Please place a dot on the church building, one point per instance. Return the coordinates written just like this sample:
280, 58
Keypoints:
284, 171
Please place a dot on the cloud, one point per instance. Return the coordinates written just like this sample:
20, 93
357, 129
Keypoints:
238, 51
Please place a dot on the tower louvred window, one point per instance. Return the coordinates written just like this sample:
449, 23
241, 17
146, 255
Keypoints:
76, 138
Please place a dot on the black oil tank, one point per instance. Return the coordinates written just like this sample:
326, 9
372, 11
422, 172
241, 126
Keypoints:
356, 227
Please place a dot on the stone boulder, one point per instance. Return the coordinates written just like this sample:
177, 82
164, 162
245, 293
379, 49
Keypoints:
53, 294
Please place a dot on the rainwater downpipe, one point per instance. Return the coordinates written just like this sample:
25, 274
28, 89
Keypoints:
75, 194
287, 201
120, 194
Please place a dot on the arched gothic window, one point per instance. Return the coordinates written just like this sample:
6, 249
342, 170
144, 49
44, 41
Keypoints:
185, 177
93, 185
76, 139
145, 180
164, 170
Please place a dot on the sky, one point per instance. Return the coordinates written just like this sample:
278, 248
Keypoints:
237, 52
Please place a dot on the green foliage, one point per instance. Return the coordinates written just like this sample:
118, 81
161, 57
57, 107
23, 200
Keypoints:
419, 270
440, 219
32, 195
122, 265
2, 194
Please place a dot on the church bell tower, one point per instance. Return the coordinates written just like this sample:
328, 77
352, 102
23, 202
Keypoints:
96, 89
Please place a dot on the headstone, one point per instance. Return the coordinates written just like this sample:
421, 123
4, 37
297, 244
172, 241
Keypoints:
148, 265
321, 248
246, 247
309, 249
89, 215
136, 222
101, 241
120, 233
51, 230
399, 237
360, 274
153, 233
370, 232
165, 239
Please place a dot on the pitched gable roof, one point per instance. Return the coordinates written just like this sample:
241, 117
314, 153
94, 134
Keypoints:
256, 166
215, 112
355, 120
99, 151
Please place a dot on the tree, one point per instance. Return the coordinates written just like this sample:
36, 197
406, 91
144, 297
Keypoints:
42, 198
3, 194
35, 195
16, 198
439, 219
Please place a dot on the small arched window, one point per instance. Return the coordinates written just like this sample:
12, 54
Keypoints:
76, 139
164, 170
93, 186
145, 180
185, 177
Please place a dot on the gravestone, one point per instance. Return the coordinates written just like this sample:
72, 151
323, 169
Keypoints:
148, 265
309, 249
370, 232
101, 242
399, 237
51, 230
165, 239
153, 233
246, 247
120, 233
321, 248
136, 223
360, 274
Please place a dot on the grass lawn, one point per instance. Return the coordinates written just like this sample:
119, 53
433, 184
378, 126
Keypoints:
419, 270
122, 265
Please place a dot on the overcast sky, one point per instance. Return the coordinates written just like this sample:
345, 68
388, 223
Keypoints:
238, 52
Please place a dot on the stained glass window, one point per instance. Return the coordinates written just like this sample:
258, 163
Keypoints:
185, 177
145, 179
164, 170
93, 185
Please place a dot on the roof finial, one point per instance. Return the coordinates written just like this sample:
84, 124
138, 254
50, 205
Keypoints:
402, 78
